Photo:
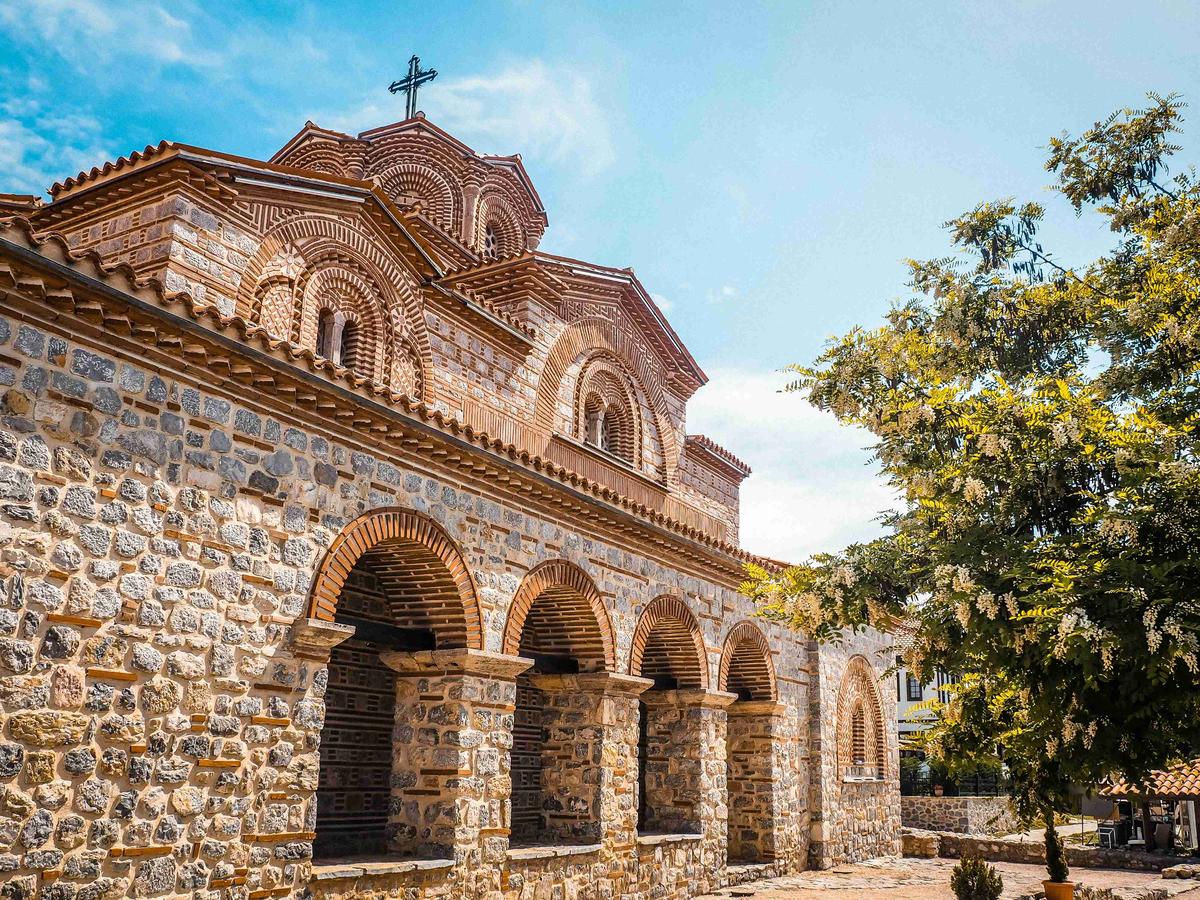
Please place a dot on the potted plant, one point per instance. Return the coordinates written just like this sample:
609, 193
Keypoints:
1057, 886
974, 879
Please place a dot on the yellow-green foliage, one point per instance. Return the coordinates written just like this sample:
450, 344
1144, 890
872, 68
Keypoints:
1040, 422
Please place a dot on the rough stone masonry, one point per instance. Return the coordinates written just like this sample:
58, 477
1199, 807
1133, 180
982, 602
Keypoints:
312, 473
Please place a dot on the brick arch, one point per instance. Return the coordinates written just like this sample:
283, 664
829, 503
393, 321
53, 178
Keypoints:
558, 610
440, 195
860, 728
318, 239
746, 666
319, 156
668, 641
428, 585
493, 208
584, 337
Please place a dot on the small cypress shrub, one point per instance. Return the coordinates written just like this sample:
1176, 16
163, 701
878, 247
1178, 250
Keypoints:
974, 879
1056, 855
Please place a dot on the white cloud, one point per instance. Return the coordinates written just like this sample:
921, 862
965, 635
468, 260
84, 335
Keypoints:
86, 31
39, 148
723, 293
664, 304
531, 107
812, 488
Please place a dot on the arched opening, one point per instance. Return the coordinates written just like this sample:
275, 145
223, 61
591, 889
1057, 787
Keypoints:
348, 353
858, 736
396, 577
861, 740
618, 437
558, 620
747, 671
491, 241
327, 337
668, 648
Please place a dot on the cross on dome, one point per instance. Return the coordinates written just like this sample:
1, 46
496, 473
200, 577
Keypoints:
410, 83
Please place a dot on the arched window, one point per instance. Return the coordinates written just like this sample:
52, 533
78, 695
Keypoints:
858, 736
349, 345
327, 334
491, 242
861, 737
593, 421
617, 435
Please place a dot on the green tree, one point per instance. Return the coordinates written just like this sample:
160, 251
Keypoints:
1040, 424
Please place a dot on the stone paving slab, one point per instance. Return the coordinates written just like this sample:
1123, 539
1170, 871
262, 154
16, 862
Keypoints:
927, 879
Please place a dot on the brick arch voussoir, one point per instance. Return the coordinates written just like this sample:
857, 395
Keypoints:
741, 635
558, 573
441, 191
318, 235
669, 609
601, 335
860, 683
380, 525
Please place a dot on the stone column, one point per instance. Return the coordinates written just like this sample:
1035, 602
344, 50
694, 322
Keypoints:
589, 759
756, 812
686, 770
450, 780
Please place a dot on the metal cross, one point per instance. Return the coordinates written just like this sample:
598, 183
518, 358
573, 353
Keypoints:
410, 83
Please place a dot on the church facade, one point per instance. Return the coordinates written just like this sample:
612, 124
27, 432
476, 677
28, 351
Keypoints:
352, 546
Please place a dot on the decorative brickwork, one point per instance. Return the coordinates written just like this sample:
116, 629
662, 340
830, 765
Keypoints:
668, 645
861, 741
746, 667
422, 573
558, 611
259, 604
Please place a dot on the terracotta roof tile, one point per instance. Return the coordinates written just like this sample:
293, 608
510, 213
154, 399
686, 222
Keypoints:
716, 449
1182, 780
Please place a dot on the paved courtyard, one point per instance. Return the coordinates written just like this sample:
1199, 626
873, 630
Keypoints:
926, 879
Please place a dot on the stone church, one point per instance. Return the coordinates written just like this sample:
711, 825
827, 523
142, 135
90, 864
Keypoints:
352, 546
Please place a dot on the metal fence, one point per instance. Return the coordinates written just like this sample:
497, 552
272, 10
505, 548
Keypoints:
981, 784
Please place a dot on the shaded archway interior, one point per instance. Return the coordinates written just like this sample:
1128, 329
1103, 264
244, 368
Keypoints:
399, 596
749, 673
562, 635
669, 650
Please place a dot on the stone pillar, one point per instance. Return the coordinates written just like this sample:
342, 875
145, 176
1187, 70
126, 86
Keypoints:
686, 770
589, 758
450, 781
756, 812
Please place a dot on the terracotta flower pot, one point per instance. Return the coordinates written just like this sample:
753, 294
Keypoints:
1059, 890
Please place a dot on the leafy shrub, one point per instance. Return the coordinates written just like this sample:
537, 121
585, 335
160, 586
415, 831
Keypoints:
974, 879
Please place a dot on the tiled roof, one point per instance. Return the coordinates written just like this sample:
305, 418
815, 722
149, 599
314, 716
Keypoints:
1182, 780
716, 449
122, 162
123, 279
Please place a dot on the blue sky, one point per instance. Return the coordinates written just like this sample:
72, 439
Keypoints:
764, 167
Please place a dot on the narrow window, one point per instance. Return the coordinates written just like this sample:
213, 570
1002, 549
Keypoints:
326, 325
612, 432
491, 244
349, 350
858, 737
593, 422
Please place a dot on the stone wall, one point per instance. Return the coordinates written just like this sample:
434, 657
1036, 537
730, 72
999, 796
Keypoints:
952, 845
853, 818
968, 815
163, 694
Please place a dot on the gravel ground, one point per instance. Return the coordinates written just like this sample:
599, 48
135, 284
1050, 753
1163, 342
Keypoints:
929, 879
